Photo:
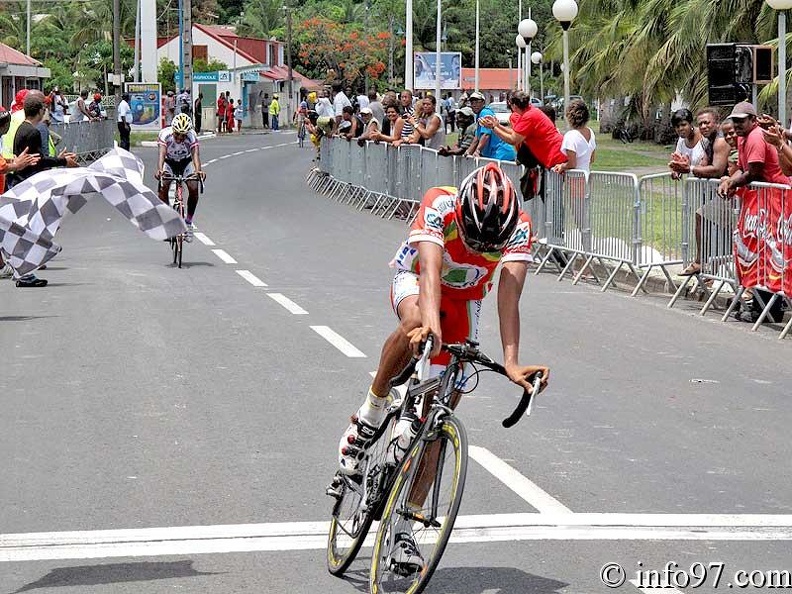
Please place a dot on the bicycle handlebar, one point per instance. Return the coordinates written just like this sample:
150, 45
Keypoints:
470, 354
183, 179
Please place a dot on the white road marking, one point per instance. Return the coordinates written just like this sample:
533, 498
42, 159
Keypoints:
210, 162
251, 278
288, 304
651, 590
224, 256
338, 341
236, 154
223, 157
292, 536
203, 239
525, 488
255, 150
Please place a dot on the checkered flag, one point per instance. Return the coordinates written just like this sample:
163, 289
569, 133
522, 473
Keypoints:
32, 211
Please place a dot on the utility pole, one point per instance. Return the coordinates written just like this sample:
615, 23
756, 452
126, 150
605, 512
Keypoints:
27, 25
187, 45
365, 32
117, 51
289, 62
390, 52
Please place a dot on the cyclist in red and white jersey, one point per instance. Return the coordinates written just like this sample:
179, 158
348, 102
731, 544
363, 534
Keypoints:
178, 155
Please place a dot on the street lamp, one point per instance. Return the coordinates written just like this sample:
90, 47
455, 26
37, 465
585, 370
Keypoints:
781, 6
521, 45
565, 12
536, 58
527, 30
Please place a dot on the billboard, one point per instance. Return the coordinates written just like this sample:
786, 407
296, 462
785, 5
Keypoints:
145, 100
450, 70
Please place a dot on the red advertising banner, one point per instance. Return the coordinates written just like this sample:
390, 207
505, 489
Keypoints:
763, 239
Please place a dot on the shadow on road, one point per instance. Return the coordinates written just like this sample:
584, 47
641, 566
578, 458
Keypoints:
474, 580
114, 573
22, 318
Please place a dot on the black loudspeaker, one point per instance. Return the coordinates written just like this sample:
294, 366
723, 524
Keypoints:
721, 61
763, 64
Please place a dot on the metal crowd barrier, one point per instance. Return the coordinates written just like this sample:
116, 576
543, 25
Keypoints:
89, 140
646, 224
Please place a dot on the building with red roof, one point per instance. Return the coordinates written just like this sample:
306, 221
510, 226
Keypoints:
19, 71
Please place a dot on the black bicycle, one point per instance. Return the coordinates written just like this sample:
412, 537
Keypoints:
623, 134
417, 499
177, 242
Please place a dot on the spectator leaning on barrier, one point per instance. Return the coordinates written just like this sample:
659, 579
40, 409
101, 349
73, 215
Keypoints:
774, 134
466, 124
351, 125
579, 143
714, 165
395, 125
730, 136
429, 129
95, 110
340, 101
370, 126
489, 143
58, 106
407, 114
757, 161
690, 146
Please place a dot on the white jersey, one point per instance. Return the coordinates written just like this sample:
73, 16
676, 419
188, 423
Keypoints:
177, 151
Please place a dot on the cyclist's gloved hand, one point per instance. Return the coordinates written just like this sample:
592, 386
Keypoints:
522, 375
418, 337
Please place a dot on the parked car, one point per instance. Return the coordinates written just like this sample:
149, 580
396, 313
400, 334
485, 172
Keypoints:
502, 112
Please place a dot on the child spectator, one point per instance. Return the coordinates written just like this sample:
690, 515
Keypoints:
238, 116
230, 116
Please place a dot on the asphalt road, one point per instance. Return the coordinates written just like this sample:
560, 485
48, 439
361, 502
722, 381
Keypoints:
137, 397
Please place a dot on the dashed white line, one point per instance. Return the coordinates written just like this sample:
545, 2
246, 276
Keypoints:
524, 487
251, 278
210, 162
255, 150
338, 341
203, 239
223, 157
288, 304
224, 256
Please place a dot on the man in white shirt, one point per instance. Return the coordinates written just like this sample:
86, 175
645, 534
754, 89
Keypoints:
340, 101
124, 119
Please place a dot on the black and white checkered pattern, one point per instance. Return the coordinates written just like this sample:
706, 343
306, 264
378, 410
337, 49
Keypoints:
32, 211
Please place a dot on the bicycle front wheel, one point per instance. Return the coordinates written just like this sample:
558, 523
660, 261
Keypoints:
359, 501
420, 512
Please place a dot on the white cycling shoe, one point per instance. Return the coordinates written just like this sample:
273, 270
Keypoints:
405, 559
353, 445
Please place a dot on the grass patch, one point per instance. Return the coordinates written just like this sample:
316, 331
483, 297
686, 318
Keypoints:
135, 138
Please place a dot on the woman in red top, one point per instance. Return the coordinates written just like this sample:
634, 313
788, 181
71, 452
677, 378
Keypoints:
230, 115
531, 127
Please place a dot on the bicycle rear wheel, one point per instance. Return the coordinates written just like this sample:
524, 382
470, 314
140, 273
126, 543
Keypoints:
428, 519
359, 501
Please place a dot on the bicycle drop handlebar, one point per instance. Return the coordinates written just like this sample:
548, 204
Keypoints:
469, 353
179, 179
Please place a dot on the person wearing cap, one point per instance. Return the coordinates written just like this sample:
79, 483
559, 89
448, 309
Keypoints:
274, 112
14, 163
17, 117
489, 143
95, 108
371, 126
466, 124
757, 161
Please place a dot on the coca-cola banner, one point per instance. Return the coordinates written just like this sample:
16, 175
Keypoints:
763, 238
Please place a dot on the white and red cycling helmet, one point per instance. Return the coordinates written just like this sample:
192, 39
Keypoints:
487, 211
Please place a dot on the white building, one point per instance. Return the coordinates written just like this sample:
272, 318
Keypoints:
255, 66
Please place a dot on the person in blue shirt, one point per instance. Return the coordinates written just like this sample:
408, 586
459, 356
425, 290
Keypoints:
487, 144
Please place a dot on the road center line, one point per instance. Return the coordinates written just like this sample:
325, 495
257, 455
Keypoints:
251, 278
292, 536
203, 238
224, 256
288, 304
524, 487
338, 341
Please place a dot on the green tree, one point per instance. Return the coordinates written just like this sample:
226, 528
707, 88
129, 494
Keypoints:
166, 75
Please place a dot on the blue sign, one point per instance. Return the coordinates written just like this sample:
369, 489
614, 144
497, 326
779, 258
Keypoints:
199, 76
250, 76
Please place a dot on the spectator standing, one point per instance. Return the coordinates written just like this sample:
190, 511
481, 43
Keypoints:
371, 127
489, 145
221, 110
238, 115
375, 105
28, 141
449, 108
124, 121
265, 104
395, 125
81, 108
198, 111
170, 107
429, 129
324, 107
690, 145
363, 100
58, 106
579, 143
340, 101
466, 124
274, 112
229, 115
185, 102
95, 108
